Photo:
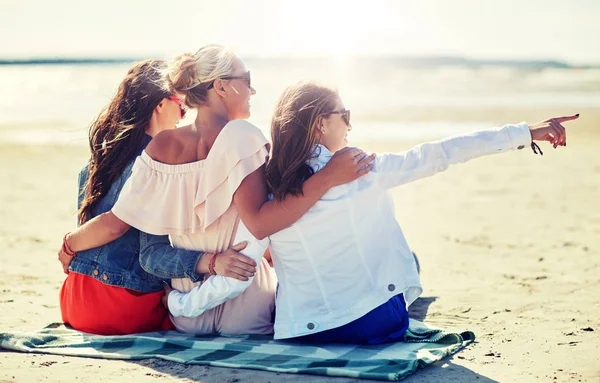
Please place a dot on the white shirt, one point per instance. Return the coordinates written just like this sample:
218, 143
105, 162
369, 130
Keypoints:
347, 254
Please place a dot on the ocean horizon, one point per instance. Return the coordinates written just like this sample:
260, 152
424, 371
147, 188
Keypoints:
53, 100
408, 61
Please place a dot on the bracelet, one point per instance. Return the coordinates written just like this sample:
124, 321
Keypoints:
207, 254
211, 264
535, 146
66, 248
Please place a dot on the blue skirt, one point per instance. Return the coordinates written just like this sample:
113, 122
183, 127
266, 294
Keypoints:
384, 324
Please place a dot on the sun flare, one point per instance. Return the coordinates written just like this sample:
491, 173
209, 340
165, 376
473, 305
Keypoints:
332, 28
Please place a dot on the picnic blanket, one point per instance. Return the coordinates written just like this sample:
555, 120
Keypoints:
423, 346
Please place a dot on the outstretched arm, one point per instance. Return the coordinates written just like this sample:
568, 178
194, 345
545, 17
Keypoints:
433, 157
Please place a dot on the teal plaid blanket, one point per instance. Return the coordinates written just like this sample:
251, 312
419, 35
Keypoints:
423, 345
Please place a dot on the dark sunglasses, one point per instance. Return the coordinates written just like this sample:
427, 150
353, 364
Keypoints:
180, 103
345, 115
244, 77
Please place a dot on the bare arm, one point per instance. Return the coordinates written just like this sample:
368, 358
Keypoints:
98, 231
264, 218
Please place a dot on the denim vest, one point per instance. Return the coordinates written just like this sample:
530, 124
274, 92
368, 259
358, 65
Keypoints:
118, 263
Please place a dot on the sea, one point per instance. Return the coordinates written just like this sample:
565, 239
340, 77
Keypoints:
53, 101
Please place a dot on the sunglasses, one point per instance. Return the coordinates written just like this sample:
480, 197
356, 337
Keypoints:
180, 103
244, 77
345, 115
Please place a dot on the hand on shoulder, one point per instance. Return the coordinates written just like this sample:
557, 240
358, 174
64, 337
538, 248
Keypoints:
347, 165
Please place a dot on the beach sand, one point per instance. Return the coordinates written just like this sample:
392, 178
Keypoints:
509, 248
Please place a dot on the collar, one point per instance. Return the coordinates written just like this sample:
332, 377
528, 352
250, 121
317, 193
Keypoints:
320, 157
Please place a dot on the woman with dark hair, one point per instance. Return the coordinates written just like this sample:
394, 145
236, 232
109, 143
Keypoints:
107, 290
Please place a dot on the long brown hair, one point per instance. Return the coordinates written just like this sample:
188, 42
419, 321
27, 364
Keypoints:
295, 136
118, 133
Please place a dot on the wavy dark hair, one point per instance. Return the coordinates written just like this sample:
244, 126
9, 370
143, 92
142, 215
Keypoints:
294, 135
118, 133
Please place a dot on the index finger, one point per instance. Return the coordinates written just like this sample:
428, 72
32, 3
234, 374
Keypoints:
566, 118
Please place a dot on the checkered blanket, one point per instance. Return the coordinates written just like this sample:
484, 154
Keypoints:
423, 345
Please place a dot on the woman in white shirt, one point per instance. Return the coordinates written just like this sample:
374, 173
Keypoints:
346, 273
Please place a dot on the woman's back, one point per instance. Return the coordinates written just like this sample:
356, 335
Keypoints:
191, 200
346, 255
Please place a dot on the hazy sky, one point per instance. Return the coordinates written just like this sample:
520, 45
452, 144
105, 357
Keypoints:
523, 29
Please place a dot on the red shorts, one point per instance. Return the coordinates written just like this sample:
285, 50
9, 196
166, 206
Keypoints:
93, 307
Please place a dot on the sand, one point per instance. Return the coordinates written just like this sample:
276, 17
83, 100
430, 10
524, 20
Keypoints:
509, 246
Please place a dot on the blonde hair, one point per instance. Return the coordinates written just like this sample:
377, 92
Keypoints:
192, 74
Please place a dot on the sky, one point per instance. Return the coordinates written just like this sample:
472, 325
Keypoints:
484, 29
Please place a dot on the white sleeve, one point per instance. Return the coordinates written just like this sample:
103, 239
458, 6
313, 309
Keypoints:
426, 159
217, 289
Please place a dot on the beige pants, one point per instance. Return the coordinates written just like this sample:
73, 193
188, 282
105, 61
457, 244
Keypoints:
248, 313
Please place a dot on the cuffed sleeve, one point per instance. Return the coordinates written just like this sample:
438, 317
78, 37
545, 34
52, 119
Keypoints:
520, 135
